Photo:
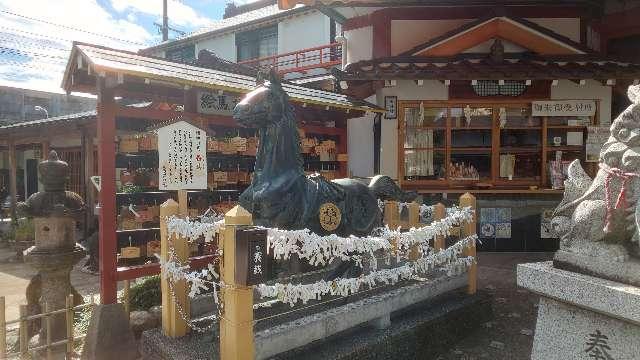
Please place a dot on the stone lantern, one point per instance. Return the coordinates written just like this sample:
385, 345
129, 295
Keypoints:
54, 212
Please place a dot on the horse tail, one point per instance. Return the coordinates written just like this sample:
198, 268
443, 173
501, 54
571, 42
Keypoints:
384, 188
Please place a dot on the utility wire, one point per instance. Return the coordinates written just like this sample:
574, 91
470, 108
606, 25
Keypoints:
26, 53
20, 40
31, 46
35, 34
71, 28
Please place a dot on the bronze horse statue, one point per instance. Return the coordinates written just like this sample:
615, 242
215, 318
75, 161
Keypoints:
282, 196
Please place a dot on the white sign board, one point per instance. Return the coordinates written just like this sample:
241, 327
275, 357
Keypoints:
182, 151
214, 104
563, 108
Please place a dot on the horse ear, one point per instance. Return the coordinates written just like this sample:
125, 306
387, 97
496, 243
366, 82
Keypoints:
260, 77
274, 78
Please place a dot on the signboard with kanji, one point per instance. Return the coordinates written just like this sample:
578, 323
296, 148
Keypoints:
182, 151
563, 108
253, 263
215, 104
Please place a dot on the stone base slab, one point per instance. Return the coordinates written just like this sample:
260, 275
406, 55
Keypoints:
627, 272
336, 322
577, 311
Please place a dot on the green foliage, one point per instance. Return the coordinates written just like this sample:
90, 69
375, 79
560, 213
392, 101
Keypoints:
145, 294
131, 188
25, 230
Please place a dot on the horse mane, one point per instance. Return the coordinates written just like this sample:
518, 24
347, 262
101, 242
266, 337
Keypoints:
284, 137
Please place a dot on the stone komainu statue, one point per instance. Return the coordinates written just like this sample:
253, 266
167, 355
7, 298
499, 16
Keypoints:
597, 219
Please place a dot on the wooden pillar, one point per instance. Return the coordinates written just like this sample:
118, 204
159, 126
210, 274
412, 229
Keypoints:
469, 229
13, 181
45, 147
236, 323
439, 213
87, 172
391, 215
106, 123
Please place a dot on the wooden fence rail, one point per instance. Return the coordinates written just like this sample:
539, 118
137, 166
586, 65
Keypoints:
23, 349
236, 325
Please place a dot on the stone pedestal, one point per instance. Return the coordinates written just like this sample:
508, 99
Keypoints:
582, 317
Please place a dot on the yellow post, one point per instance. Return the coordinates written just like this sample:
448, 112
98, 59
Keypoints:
172, 323
414, 222
391, 214
236, 324
24, 328
47, 319
69, 319
3, 329
439, 213
466, 230
125, 297
181, 246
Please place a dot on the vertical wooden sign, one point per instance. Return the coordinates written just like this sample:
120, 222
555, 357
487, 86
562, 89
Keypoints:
182, 151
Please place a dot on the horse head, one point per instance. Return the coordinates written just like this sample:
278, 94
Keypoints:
264, 106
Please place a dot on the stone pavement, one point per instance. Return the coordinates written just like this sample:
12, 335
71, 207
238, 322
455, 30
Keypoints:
510, 335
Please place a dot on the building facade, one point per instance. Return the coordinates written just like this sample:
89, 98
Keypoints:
489, 97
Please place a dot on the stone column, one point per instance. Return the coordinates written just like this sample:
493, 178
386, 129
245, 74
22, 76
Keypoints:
54, 213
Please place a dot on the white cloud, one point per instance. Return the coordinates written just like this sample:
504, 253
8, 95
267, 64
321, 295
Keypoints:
43, 67
179, 13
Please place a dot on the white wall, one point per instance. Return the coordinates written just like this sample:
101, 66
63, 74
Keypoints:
304, 31
359, 44
223, 46
361, 144
404, 90
592, 90
567, 27
406, 34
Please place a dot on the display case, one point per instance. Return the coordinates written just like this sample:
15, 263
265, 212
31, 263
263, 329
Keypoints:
485, 145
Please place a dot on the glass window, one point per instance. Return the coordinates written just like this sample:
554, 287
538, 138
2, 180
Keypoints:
510, 117
424, 165
184, 54
257, 43
471, 117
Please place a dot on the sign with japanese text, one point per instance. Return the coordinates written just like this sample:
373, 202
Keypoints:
182, 151
563, 108
253, 263
215, 104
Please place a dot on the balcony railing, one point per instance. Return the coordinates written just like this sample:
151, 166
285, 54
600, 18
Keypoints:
320, 57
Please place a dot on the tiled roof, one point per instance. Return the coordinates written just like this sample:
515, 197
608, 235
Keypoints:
103, 59
260, 15
86, 115
480, 67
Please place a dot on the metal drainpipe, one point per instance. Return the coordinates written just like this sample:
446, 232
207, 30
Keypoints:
343, 40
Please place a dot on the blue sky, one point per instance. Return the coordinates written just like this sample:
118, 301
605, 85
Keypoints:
36, 35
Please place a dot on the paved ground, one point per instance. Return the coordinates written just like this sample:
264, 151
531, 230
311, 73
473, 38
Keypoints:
510, 335
15, 276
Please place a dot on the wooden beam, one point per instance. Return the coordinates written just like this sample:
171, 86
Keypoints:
87, 172
13, 179
44, 148
163, 115
106, 169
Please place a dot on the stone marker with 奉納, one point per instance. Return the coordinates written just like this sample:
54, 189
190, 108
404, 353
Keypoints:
590, 292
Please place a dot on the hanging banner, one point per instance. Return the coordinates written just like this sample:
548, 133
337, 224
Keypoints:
214, 104
563, 108
182, 151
